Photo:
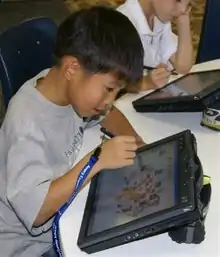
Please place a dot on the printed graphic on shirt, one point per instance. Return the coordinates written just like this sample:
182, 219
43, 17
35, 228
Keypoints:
76, 144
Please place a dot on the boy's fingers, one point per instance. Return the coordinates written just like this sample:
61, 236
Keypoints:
129, 139
162, 65
161, 71
131, 147
158, 71
130, 155
163, 75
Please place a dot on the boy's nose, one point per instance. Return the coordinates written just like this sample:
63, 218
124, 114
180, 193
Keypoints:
110, 99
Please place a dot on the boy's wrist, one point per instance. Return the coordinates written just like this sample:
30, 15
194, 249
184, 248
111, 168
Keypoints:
183, 25
183, 20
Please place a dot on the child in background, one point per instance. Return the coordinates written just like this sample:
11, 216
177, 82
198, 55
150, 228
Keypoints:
164, 51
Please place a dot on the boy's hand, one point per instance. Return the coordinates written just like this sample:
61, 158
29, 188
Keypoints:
184, 18
182, 60
157, 77
118, 152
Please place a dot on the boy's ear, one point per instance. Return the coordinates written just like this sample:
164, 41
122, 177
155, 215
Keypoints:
70, 66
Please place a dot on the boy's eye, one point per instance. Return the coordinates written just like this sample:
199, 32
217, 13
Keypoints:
109, 89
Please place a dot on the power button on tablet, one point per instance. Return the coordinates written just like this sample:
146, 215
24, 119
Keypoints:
128, 238
136, 235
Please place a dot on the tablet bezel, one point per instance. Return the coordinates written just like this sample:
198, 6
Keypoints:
186, 190
195, 97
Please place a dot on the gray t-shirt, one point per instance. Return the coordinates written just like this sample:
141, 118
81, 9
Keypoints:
39, 142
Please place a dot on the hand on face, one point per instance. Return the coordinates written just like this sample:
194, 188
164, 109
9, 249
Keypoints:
167, 10
185, 13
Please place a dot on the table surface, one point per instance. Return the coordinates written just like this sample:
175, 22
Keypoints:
152, 127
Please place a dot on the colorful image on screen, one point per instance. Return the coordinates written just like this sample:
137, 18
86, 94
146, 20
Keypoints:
130, 193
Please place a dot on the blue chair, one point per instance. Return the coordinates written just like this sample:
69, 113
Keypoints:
209, 45
25, 50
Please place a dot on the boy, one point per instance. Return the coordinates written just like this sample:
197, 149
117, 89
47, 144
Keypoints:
43, 129
163, 50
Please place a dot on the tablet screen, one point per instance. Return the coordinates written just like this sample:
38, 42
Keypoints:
188, 85
148, 186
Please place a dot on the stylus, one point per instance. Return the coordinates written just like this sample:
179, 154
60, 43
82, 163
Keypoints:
173, 72
106, 133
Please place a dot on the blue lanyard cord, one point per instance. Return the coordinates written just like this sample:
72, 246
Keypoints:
80, 180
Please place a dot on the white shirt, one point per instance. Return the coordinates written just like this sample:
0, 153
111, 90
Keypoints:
159, 44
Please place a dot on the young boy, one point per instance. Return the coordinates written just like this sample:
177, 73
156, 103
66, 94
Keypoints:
163, 50
43, 129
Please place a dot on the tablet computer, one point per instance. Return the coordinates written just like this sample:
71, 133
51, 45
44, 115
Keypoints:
190, 93
149, 197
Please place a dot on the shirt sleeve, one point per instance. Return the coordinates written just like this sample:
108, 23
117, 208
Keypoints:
168, 43
28, 177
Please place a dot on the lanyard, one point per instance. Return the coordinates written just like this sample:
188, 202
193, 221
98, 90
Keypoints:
80, 180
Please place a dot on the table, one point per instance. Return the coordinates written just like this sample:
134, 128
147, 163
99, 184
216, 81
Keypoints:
153, 127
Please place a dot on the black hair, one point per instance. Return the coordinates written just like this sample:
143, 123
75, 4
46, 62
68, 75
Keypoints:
104, 41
